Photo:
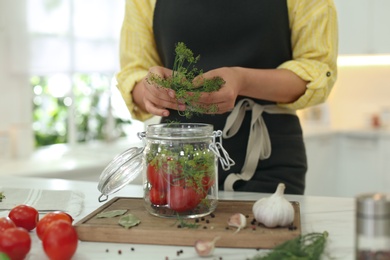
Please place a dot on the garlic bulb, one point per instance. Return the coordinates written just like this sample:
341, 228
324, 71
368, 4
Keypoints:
275, 210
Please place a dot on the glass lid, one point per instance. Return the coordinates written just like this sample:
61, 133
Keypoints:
122, 170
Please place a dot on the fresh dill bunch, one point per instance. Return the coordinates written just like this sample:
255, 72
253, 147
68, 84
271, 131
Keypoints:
304, 247
182, 82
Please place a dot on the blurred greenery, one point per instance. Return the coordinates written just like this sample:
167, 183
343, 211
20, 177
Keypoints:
85, 98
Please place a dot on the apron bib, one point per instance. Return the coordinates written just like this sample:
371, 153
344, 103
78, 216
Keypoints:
252, 34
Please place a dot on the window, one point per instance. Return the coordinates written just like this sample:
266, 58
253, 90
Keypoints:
73, 60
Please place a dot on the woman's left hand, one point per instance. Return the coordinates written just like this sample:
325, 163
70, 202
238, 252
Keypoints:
226, 96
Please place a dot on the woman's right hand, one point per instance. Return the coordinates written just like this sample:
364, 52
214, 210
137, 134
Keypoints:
155, 99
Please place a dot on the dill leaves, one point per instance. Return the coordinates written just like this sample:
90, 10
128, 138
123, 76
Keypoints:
305, 247
185, 224
188, 82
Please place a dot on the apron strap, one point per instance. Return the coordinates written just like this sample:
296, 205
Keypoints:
259, 143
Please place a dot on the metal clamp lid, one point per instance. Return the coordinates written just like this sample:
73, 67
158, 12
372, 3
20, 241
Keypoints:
122, 170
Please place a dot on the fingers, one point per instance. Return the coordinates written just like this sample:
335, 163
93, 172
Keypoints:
157, 99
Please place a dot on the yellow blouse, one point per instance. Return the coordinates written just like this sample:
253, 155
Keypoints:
314, 40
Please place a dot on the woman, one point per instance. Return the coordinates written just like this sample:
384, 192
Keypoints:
276, 56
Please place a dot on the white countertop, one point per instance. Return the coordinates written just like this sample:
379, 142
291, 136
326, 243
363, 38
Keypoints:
318, 214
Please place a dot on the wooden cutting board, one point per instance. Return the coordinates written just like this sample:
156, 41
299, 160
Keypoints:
165, 231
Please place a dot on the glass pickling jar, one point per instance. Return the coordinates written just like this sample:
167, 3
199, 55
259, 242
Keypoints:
179, 163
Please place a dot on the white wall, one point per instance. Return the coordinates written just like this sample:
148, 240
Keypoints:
15, 99
359, 93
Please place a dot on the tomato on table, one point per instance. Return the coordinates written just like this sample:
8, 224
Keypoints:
15, 243
6, 223
48, 219
24, 216
60, 240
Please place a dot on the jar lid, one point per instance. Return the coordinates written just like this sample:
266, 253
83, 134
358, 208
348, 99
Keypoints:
122, 170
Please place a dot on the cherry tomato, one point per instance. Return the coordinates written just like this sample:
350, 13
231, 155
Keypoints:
207, 183
15, 243
60, 240
182, 198
157, 197
48, 219
24, 216
6, 223
157, 178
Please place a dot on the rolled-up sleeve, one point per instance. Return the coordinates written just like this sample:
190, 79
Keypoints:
137, 51
314, 38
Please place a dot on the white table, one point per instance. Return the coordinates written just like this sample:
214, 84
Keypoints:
318, 214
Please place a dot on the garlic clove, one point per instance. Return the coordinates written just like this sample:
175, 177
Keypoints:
275, 210
204, 247
237, 220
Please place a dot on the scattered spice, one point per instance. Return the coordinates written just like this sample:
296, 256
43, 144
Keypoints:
292, 227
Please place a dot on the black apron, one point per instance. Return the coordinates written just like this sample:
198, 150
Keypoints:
252, 34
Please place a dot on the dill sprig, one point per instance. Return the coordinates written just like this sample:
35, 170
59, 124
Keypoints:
187, 91
305, 247
185, 224
2, 196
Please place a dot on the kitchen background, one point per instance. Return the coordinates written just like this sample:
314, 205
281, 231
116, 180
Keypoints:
58, 59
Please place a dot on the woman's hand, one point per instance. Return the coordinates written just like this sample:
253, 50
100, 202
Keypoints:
156, 99
224, 99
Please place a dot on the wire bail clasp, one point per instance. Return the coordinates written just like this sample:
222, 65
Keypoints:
217, 148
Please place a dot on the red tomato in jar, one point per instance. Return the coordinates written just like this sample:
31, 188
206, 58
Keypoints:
24, 216
6, 223
157, 197
48, 219
157, 178
182, 198
207, 183
60, 240
15, 243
